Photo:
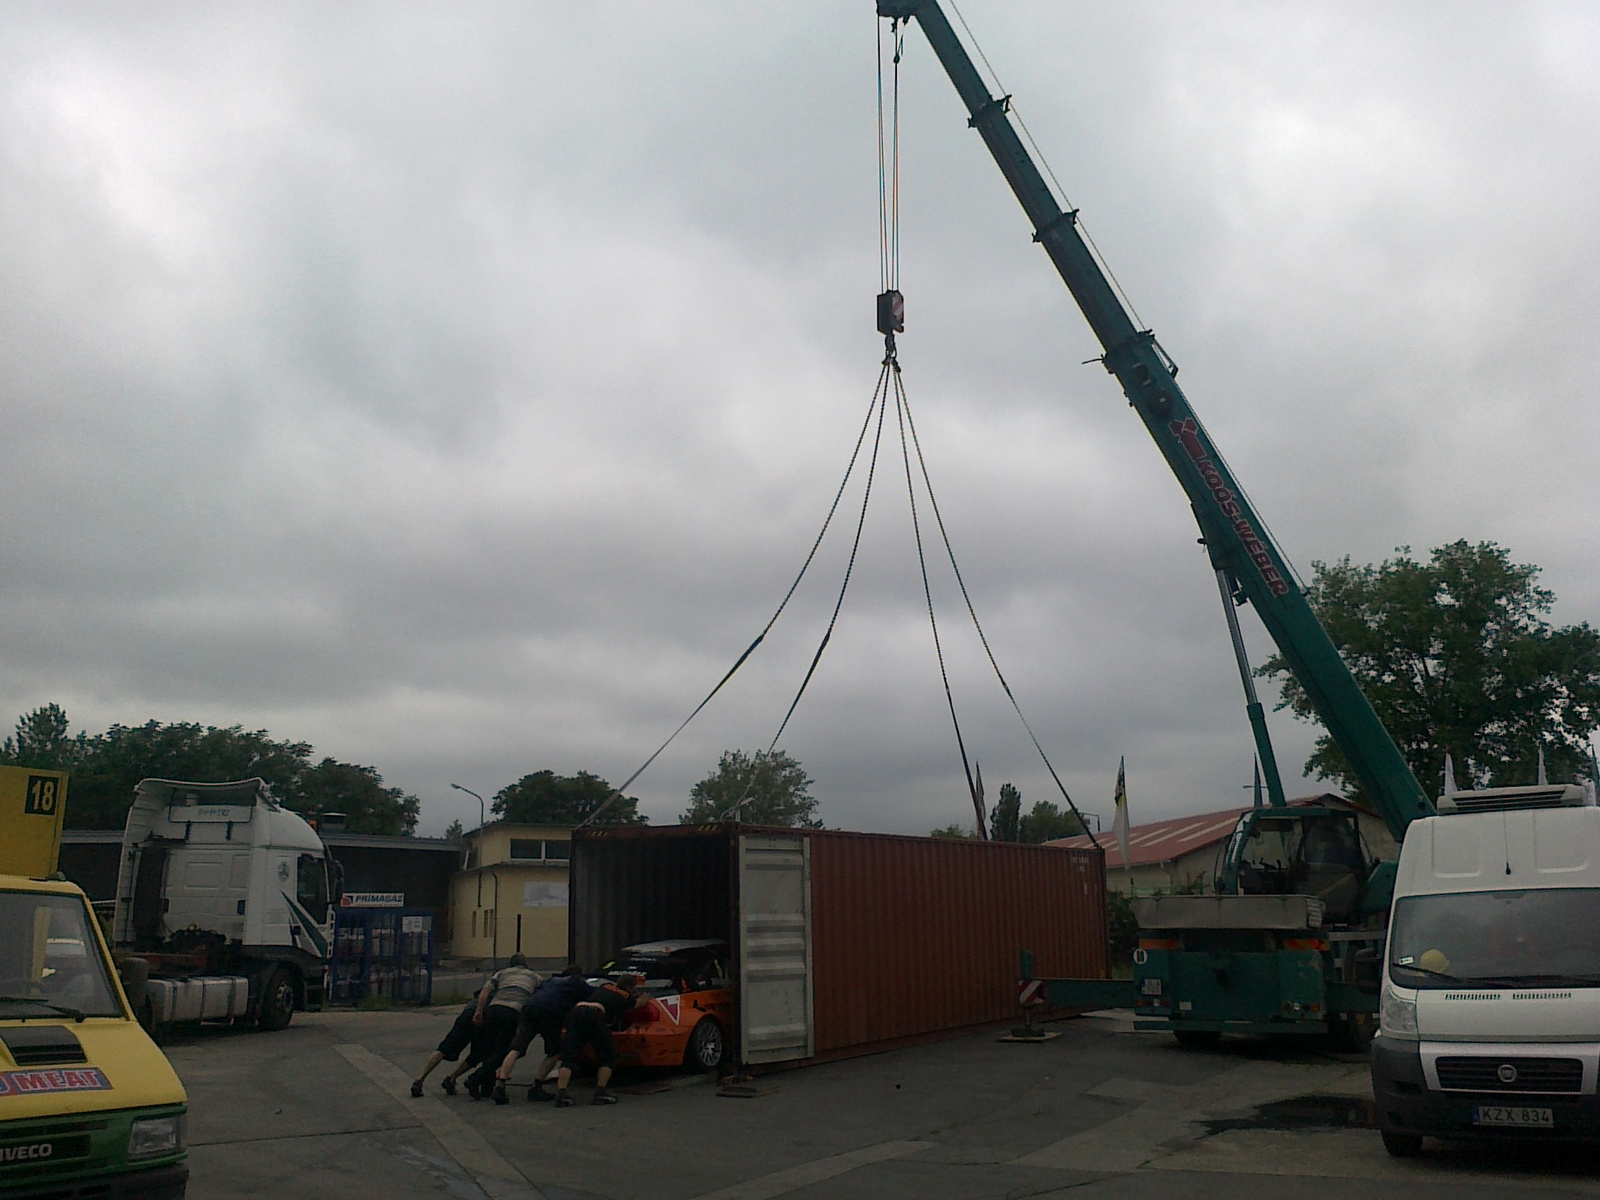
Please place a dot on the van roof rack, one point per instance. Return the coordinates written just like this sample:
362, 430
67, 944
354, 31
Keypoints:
1554, 795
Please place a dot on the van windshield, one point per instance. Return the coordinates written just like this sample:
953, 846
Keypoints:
1537, 937
50, 964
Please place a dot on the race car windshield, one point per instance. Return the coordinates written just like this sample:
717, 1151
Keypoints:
666, 973
50, 962
1541, 937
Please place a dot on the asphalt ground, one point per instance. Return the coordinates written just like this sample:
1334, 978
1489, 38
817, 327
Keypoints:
322, 1109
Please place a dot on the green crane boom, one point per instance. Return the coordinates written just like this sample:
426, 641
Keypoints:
1235, 537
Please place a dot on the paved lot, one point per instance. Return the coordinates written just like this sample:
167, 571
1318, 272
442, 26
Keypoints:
321, 1110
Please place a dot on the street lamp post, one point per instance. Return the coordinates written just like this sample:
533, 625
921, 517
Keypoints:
482, 821
482, 817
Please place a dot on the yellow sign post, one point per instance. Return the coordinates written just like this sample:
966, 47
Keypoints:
33, 805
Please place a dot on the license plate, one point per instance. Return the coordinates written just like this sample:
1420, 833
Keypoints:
1516, 1118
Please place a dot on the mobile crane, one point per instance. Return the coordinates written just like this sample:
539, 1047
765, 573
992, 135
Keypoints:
1289, 943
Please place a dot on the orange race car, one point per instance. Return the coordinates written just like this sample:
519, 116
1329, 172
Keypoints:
685, 1021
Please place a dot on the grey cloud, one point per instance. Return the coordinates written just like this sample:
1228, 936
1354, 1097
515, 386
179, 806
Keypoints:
459, 390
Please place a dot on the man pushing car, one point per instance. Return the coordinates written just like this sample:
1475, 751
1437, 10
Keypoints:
543, 1016
589, 1024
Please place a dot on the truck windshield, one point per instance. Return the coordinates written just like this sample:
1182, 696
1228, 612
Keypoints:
1537, 937
50, 962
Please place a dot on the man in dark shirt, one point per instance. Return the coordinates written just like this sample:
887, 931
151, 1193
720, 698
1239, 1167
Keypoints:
589, 1024
463, 1035
543, 1017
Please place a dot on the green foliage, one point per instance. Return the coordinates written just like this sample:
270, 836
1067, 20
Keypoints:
1005, 823
545, 798
953, 832
1122, 931
455, 830
775, 788
1045, 823
105, 767
1456, 656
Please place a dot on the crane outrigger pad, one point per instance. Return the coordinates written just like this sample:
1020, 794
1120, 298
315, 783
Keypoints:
1228, 912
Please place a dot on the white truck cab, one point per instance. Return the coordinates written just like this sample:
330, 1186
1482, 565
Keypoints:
225, 896
1489, 1024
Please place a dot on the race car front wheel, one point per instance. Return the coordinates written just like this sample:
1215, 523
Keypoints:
707, 1046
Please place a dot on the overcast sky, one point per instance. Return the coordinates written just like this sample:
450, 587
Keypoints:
458, 388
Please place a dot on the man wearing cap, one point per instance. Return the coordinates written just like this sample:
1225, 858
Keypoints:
499, 1008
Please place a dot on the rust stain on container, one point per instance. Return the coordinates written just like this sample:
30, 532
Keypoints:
919, 935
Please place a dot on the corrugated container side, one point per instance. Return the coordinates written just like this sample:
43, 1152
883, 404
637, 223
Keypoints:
630, 886
914, 936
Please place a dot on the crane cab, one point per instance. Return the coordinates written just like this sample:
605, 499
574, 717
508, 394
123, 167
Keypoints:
1301, 851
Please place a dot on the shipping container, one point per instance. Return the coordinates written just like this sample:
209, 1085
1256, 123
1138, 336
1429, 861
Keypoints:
844, 943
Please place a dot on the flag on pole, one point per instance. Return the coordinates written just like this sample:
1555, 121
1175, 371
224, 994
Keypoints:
1119, 823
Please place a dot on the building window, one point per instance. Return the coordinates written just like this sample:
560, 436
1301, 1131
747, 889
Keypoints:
534, 850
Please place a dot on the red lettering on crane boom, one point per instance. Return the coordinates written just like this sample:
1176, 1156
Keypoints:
1187, 431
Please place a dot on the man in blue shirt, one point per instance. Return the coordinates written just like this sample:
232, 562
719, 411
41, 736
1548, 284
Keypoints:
542, 1016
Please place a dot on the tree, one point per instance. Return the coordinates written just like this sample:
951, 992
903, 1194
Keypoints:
1045, 823
545, 798
105, 767
1005, 821
41, 740
1456, 655
358, 792
455, 831
953, 832
775, 789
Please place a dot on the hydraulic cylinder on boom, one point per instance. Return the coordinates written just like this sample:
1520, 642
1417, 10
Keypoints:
1296, 877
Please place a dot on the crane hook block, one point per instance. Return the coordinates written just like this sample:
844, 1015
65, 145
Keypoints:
891, 312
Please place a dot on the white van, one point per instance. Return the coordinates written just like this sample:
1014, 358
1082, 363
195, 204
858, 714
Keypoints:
1489, 1023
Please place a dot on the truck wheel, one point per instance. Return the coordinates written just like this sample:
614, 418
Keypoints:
707, 1046
1402, 1145
1197, 1039
277, 1001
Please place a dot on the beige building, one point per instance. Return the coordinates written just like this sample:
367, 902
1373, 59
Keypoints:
511, 896
1183, 854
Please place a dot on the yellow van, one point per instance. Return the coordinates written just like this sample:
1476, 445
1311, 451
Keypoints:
88, 1104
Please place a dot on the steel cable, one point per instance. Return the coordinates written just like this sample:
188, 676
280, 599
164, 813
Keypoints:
833, 508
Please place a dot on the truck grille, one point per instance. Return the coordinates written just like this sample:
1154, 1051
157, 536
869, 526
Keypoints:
1463, 1074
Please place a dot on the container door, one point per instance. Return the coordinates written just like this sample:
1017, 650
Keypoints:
774, 948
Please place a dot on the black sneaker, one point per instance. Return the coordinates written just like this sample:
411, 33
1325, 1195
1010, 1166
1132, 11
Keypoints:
449, 1085
601, 1096
472, 1090
499, 1093
564, 1101
416, 1089
538, 1092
